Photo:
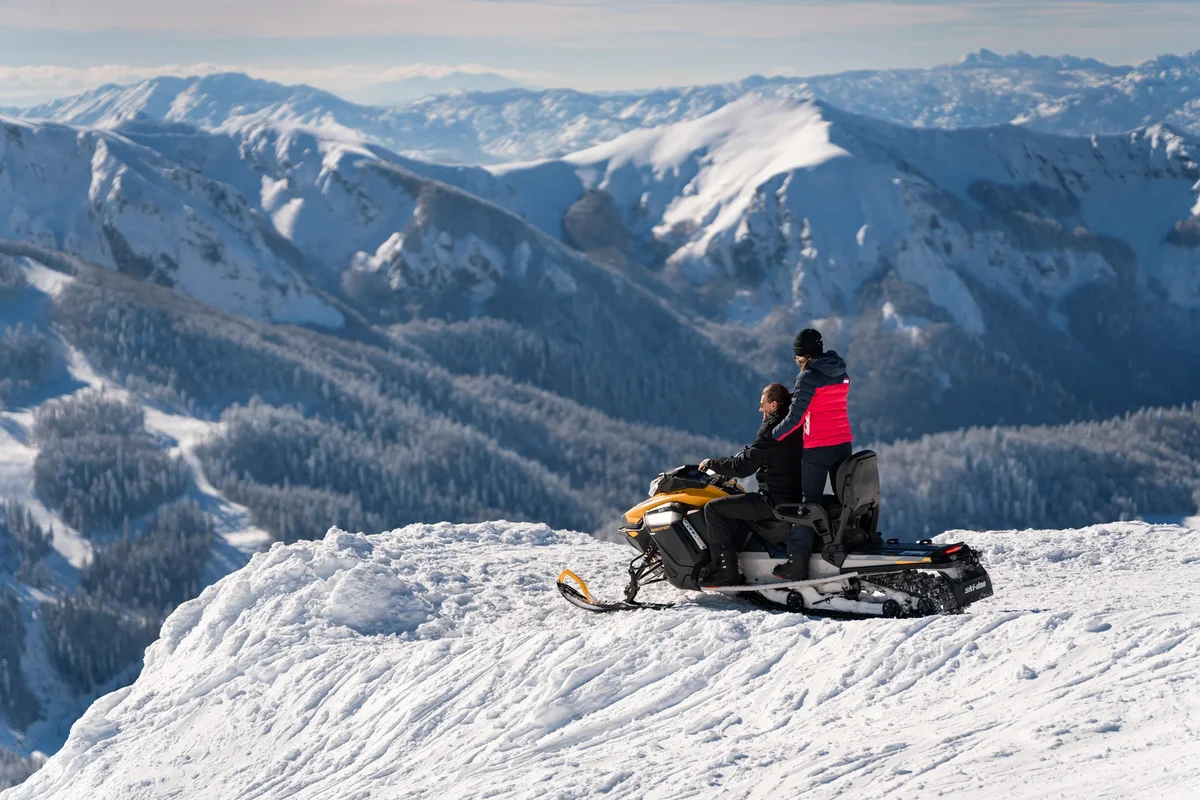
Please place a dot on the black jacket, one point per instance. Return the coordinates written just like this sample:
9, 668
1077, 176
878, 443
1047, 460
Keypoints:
775, 465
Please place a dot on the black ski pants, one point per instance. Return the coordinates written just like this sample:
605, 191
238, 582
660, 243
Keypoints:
723, 515
821, 465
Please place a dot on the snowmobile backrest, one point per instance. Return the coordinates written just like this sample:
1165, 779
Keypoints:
858, 479
858, 489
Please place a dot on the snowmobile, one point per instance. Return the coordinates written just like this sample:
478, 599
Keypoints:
853, 571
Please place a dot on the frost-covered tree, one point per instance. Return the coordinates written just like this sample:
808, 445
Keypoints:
17, 703
159, 568
91, 639
97, 464
1064, 476
25, 360
12, 279
91, 411
23, 543
14, 768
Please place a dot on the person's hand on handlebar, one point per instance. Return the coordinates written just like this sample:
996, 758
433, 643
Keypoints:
704, 465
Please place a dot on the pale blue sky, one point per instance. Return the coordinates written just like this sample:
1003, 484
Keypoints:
51, 47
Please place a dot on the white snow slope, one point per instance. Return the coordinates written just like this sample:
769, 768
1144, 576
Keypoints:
438, 661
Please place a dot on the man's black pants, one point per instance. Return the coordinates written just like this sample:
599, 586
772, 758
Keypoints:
723, 515
821, 464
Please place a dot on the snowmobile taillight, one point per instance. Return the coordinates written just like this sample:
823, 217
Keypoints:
951, 553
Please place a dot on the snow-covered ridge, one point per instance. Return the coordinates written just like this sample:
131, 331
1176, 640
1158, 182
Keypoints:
438, 660
953, 247
257, 221
1062, 94
101, 197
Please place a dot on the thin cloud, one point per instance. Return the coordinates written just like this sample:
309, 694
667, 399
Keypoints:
515, 19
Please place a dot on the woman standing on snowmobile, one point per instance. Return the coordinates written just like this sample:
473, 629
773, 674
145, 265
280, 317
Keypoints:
777, 468
819, 408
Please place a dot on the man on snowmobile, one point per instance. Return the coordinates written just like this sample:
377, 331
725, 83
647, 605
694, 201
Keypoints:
777, 468
819, 415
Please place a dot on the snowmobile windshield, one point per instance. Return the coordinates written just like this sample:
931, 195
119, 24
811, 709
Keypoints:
678, 479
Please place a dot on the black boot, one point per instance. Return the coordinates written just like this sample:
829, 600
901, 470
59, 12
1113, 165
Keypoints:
725, 570
799, 547
794, 570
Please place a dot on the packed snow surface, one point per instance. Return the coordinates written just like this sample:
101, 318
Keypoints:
438, 661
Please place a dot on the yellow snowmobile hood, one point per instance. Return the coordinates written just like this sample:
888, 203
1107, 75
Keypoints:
689, 497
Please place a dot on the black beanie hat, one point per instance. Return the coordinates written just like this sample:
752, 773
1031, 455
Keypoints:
808, 343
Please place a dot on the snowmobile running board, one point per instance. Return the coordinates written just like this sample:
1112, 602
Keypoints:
758, 587
579, 595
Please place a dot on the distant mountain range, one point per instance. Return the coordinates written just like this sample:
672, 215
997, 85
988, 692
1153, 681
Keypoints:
1065, 95
293, 227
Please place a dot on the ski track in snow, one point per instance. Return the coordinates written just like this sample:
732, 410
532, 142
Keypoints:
438, 661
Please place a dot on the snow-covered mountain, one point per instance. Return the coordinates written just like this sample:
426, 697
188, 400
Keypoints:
209, 101
767, 186
1061, 95
1049, 259
437, 660
394, 245
100, 197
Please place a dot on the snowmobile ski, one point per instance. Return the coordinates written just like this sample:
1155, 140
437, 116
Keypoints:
580, 597
758, 587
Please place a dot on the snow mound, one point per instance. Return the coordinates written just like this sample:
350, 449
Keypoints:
437, 661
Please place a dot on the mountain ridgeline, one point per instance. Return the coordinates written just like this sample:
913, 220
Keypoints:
1065, 95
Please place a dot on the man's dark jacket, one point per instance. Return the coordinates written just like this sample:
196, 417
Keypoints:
775, 465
